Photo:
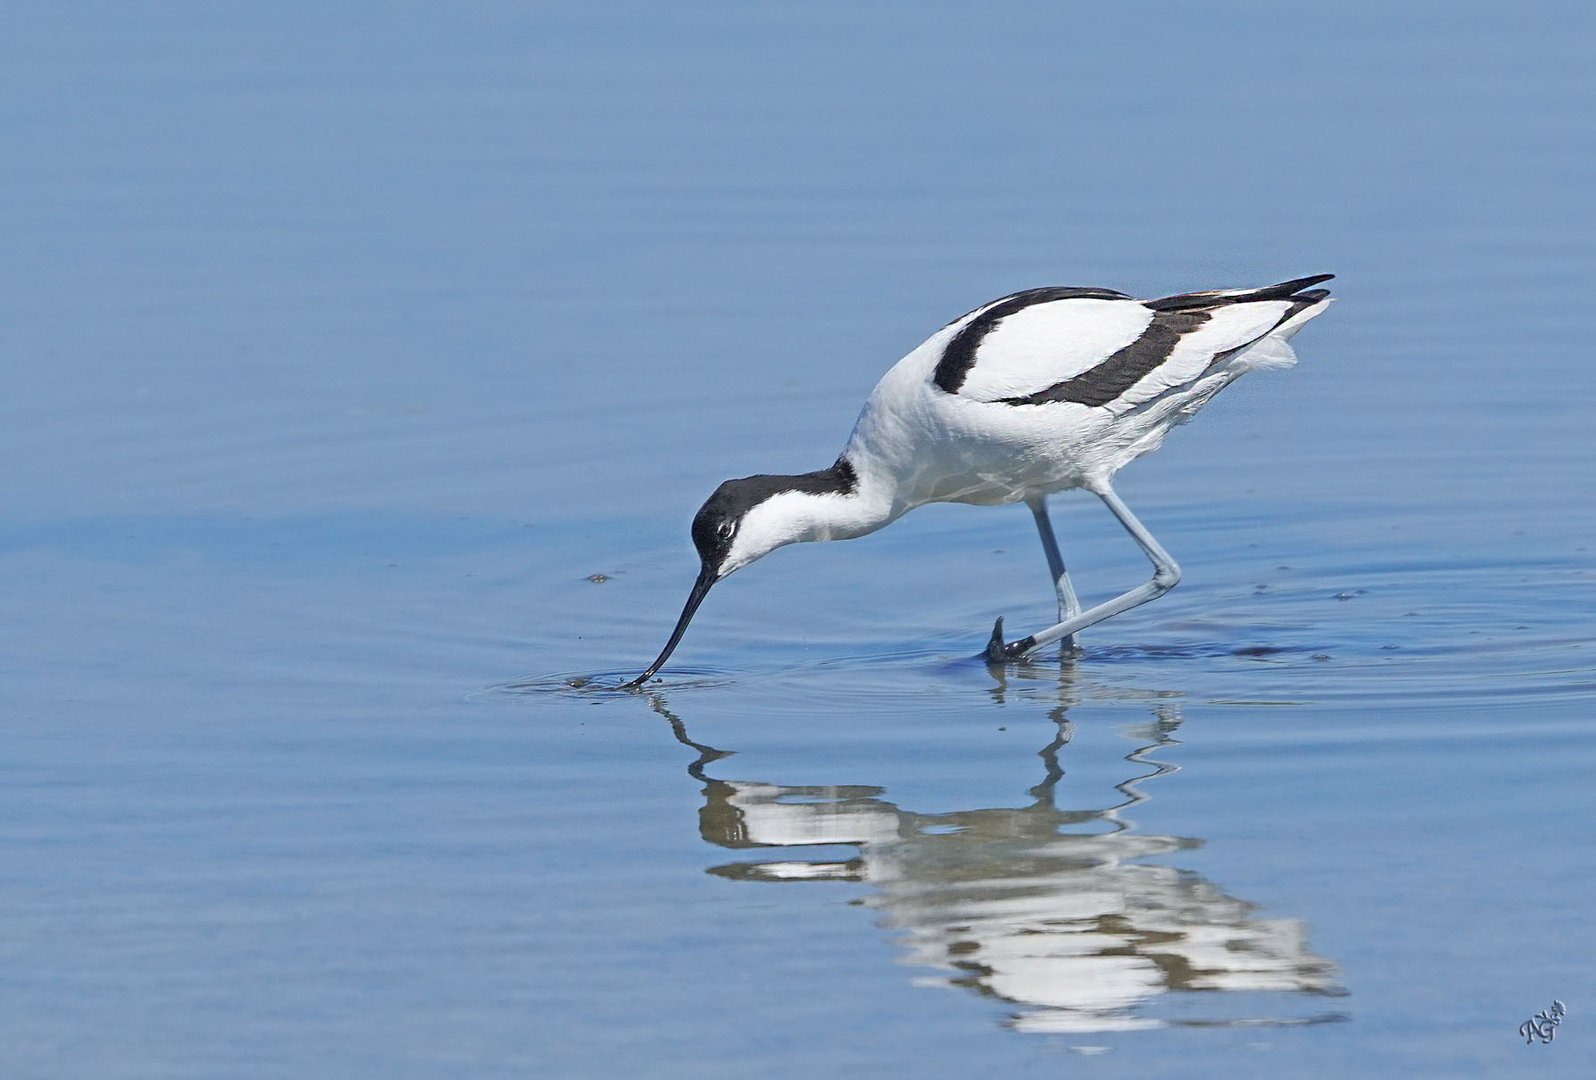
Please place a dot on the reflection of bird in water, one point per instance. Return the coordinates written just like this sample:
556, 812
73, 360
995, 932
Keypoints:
1049, 909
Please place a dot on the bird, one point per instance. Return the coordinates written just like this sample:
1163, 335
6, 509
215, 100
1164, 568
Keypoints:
1038, 392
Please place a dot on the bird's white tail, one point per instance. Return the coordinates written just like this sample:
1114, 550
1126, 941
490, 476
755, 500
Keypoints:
1274, 350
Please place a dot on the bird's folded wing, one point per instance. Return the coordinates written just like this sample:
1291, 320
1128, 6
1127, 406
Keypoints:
1223, 333
1112, 353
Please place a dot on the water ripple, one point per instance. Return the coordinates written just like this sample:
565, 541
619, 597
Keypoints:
610, 683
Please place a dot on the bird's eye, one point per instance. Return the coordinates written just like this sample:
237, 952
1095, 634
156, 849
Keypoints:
725, 529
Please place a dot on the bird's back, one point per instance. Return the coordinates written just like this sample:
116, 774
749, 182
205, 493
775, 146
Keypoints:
1045, 389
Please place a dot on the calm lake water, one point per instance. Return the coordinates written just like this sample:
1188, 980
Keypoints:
344, 344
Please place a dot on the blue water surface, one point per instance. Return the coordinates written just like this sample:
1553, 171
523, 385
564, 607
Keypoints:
365, 364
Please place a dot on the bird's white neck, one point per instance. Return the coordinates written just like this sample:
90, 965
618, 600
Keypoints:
839, 503
840, 515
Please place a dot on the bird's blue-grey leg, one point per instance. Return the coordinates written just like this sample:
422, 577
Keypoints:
1165, 576
1068, 605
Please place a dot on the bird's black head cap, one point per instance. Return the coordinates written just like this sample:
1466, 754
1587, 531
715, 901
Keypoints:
715, 524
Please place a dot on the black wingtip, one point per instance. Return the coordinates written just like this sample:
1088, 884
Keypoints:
1290, 290
1286, 290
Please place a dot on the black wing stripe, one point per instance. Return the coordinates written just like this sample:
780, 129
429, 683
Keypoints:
959, 357
1108, 380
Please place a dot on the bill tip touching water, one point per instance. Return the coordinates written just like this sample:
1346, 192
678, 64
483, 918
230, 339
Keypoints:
1043, 391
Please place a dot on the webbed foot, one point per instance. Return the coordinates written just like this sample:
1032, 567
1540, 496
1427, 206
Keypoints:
995, 650
997, 653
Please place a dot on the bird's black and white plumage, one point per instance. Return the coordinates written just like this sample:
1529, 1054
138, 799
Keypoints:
1042, 391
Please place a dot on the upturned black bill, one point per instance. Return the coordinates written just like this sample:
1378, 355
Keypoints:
706, 578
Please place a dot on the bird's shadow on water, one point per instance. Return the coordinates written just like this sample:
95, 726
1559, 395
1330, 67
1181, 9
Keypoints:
1062, 909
